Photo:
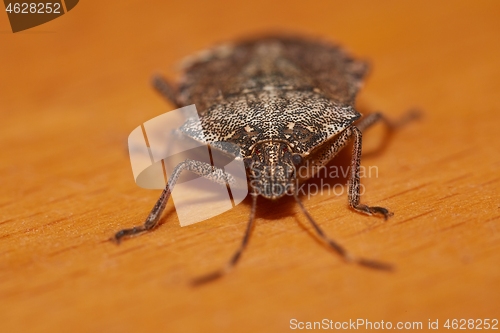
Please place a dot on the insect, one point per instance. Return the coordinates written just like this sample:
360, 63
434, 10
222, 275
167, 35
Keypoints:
287, 103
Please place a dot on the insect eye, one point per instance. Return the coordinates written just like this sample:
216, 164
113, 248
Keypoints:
296, 159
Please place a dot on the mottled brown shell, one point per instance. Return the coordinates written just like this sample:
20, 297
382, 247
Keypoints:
272, 89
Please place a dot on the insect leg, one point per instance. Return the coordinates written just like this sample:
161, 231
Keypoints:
237, 255
324, 156
373, 118
354, 182
200, 168
338, 248
165, 89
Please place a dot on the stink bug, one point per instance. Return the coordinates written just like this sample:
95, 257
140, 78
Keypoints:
287, 103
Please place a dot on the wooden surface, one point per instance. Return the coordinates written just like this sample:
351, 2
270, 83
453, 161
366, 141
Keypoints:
72, 90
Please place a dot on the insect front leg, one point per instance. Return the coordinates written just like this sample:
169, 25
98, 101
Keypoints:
315, 164
237, 255
354, 182
325, 155
166, 89
202, 169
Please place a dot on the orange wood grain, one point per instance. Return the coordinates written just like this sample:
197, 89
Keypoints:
72, 90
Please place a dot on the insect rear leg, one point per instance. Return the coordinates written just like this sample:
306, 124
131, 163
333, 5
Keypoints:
374, 118
202, 169
166, 89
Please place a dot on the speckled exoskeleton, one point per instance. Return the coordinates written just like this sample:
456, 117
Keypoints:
287, 103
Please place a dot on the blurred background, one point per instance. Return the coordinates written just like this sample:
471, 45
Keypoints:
72, 89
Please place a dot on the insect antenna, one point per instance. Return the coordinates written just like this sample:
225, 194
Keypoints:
236, 256
337, 247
